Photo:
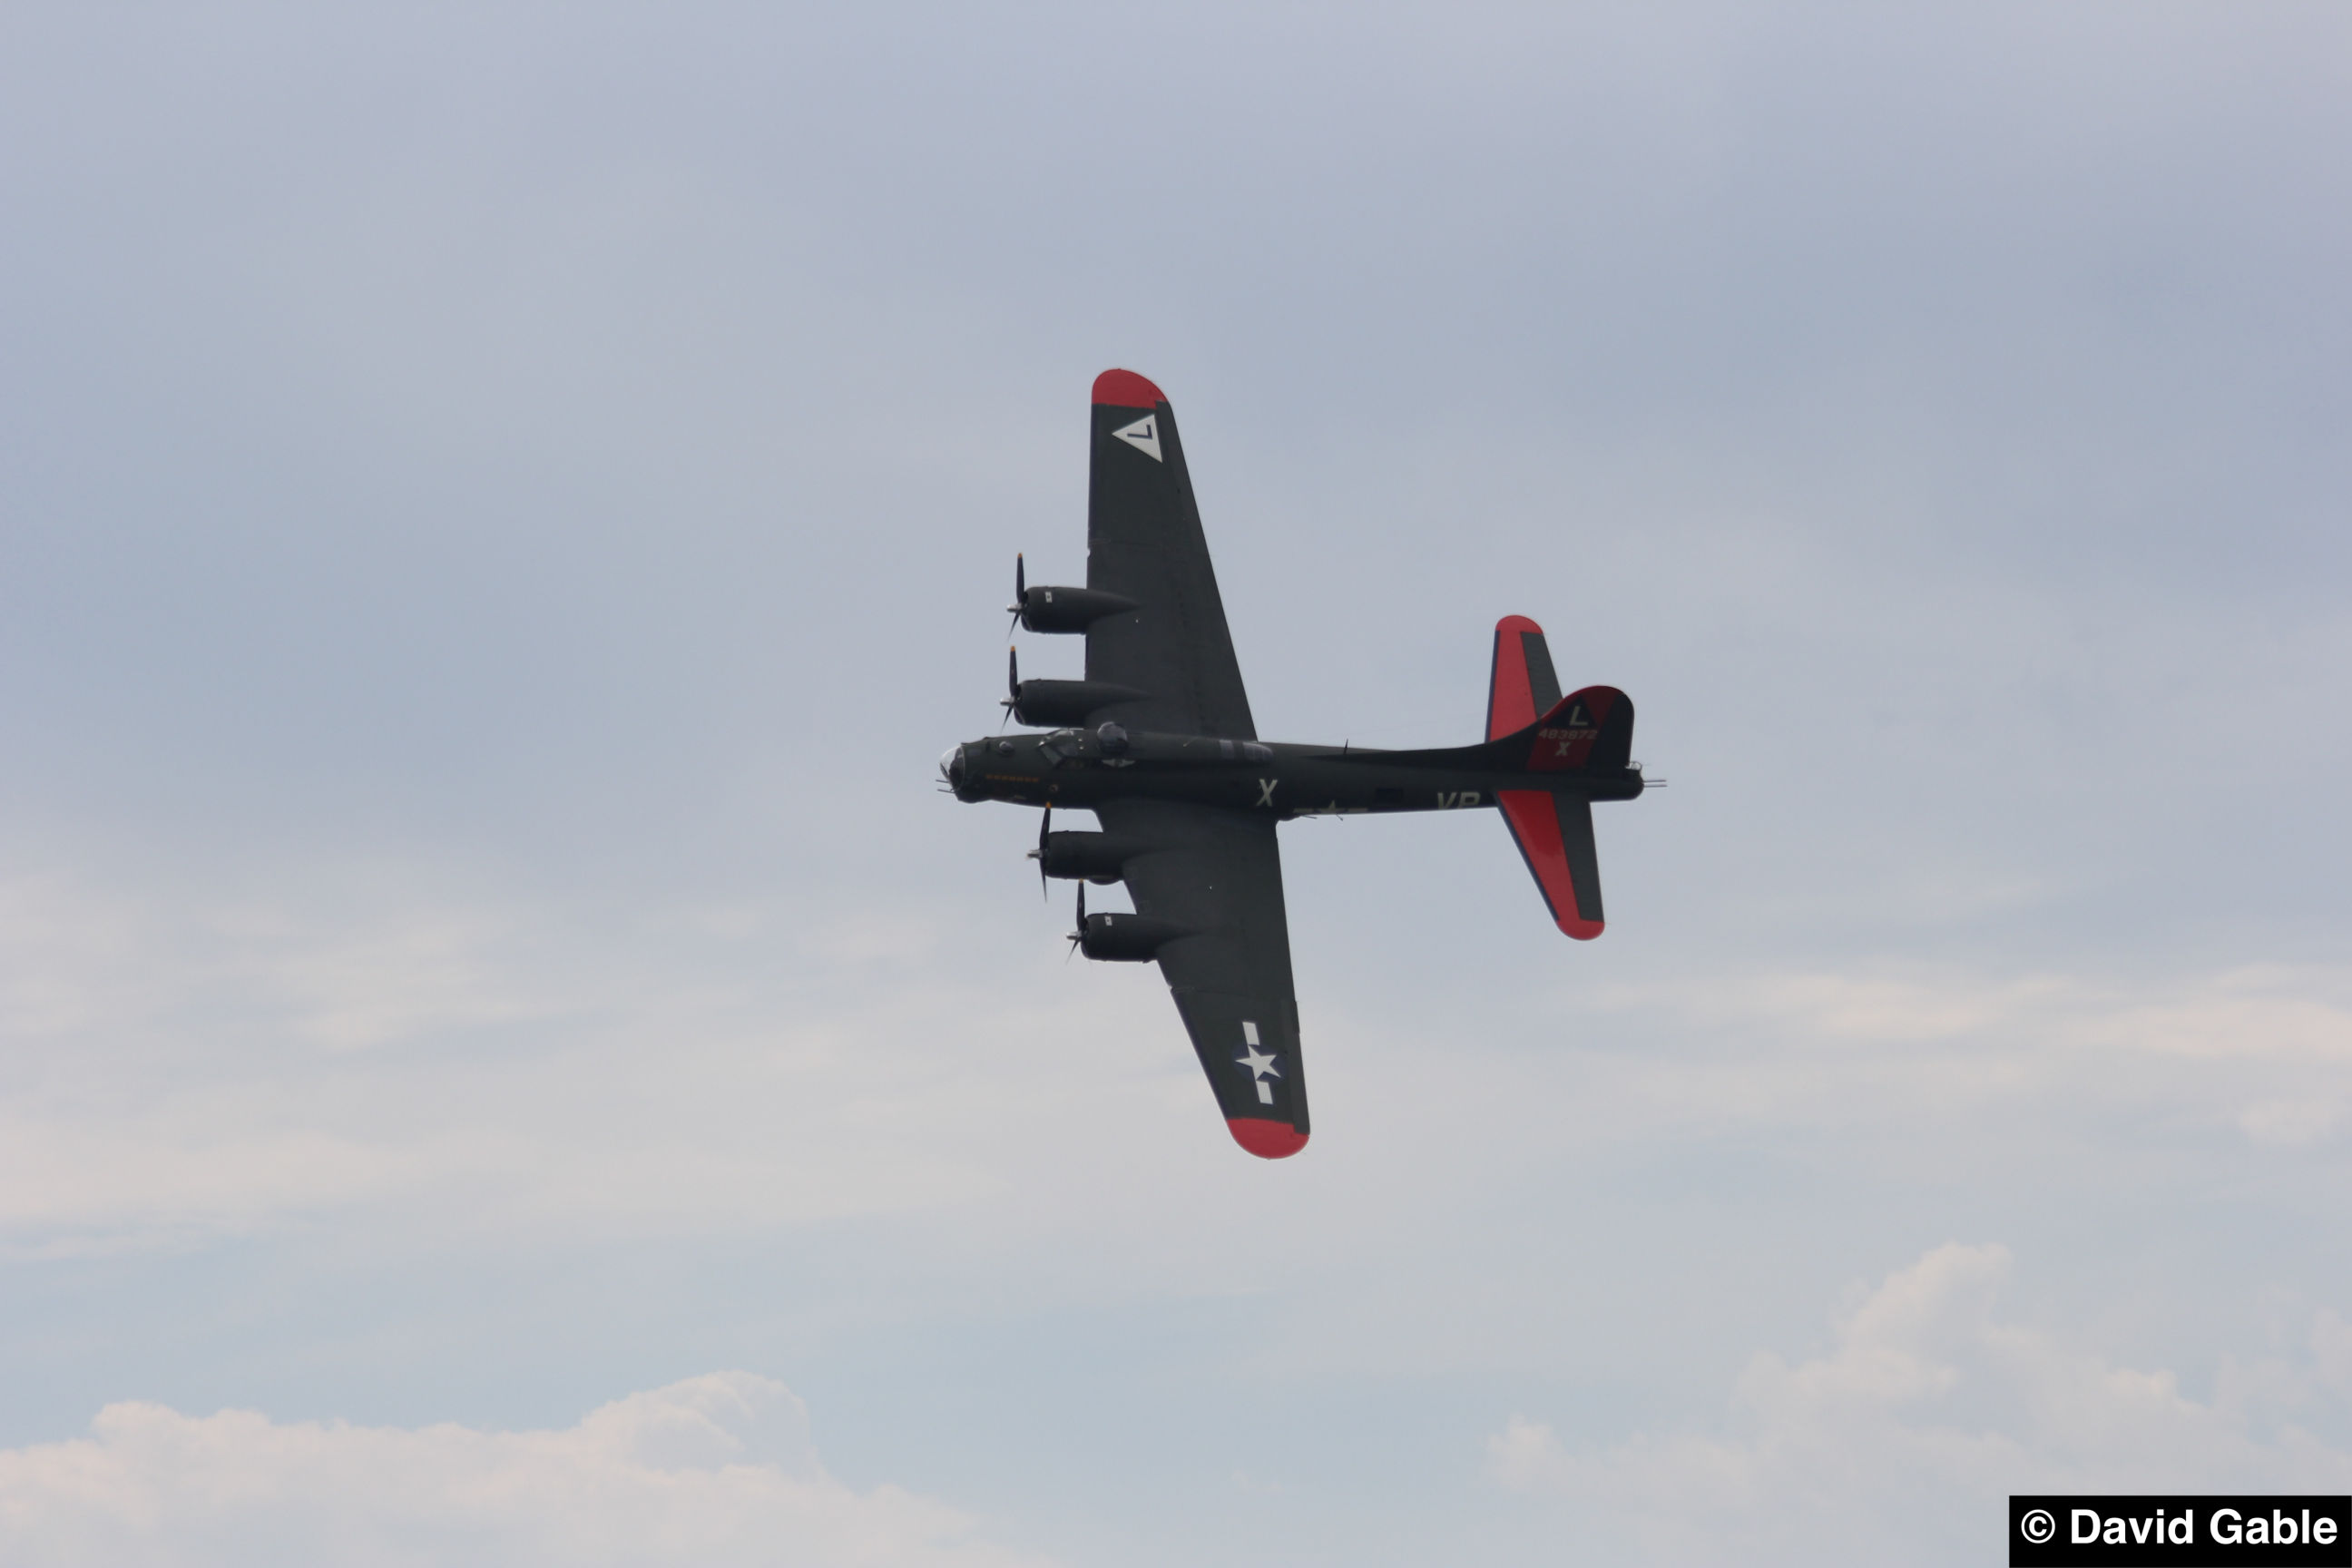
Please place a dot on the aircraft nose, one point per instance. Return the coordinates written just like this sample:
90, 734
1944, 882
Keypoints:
951, 766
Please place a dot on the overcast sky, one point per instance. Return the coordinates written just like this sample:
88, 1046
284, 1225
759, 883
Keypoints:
508, 1059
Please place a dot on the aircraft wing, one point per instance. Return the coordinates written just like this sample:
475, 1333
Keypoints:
1144, 542
1217, 873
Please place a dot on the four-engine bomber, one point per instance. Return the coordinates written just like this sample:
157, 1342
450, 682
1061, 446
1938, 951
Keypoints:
1158, 742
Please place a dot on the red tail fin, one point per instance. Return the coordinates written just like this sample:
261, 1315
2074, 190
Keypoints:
1591, 730
1587, 729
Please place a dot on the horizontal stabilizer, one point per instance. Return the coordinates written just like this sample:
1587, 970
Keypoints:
1554, 834
1523, 687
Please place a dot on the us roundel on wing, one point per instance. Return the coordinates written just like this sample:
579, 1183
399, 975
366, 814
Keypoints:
1143, 436
1258, 1063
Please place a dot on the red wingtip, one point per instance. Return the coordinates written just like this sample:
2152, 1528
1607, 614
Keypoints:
1125, 389
1583, 931
1517, 624
1266, 1140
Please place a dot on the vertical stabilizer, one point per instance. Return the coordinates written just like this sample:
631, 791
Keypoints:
1554, 832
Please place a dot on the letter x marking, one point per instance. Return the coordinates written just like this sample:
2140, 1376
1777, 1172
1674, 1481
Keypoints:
1265, 791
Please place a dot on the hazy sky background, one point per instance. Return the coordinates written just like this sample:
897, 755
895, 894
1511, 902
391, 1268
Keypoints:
508, 1059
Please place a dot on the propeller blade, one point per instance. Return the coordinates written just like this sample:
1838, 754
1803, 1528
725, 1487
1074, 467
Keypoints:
1044, 825
1020, 588
1012, 686
1078, 935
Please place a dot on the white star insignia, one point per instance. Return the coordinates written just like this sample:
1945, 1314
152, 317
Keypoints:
1258, 1063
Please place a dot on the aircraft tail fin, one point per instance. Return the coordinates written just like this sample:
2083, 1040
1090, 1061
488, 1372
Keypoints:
1531, 728
1590, 730
1529, 725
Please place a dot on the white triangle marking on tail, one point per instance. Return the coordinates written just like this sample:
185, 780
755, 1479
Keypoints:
1143, 436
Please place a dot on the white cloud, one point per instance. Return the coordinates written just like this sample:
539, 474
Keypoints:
473, 1062
1901, 1442
714, 1469
2289, 1122
2257, 1049
2256, 1011
455, 1062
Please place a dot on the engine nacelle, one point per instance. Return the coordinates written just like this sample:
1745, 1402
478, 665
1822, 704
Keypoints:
1127, 939
1097, 858
1068, 609
1049, 703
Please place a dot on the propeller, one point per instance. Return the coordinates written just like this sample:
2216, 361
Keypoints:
1078, 935
1038, 854
1012, 686
1020, 592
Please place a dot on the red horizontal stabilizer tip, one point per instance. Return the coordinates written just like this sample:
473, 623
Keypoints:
1125, 389
1266, 1140
1533, 818
1510, 692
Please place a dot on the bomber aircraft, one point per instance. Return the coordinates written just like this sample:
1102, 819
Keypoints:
1157, 741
